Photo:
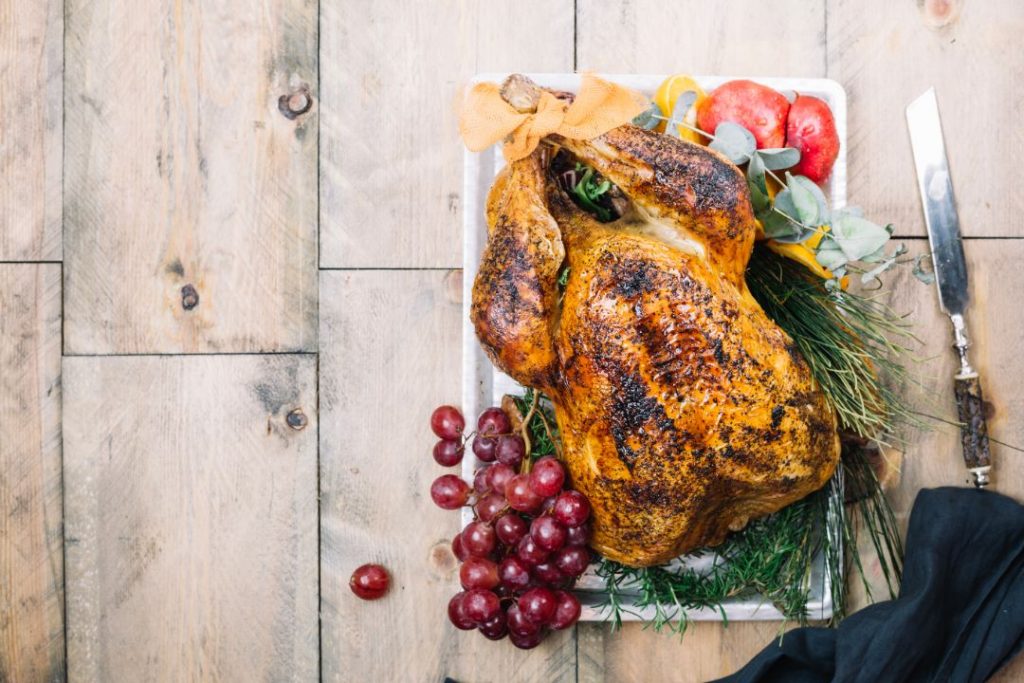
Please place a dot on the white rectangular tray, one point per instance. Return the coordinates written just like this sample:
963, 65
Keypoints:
483, 385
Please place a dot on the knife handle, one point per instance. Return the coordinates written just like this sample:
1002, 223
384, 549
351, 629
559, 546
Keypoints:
970, 407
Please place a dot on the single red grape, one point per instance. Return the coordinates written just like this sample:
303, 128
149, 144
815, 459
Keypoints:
458, 549
480, 480
514, 574
449, 492
518, 624
496, 627
549, 573
549, 533
498, 476
447, 422
547, 476
526, 642
493, 421
478, 539
481, 605
490, 506
520, 496
457, 612
567, 611
448, 453
370, 581
484, 447
538, 605
510, 529
573, 560
578, 535
530, 553
478, 572
510, 450
571, 508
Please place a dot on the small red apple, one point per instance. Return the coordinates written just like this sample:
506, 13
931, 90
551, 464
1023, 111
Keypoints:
756, 107
811, 129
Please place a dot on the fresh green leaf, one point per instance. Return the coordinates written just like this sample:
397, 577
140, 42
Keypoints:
804, 202
649, 117
923, 269
830, 255
758, 186
778, 158
858, 237
679, 110
824, 215
734, 141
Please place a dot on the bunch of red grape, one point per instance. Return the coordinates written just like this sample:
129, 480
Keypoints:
527, 544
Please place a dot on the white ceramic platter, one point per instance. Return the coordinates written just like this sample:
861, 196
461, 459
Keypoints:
483, 385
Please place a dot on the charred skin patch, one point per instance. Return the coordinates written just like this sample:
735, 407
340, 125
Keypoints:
687, 174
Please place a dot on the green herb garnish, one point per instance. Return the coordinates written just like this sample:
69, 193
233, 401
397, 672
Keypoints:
588, 191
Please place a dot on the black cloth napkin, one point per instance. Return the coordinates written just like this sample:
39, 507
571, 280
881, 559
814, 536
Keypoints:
959, 616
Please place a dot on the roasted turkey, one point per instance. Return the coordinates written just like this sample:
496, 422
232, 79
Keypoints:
684, 411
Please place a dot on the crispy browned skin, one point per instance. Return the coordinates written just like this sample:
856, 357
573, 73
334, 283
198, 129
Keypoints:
684, 410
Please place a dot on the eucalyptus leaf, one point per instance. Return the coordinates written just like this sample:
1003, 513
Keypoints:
781, 229
734, 141
804, 202
858, 237
679, 111
925, 276
831, 256
873, 274
824, 215
778, 158
649, 117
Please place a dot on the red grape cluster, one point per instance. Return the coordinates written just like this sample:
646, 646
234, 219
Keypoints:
527, 544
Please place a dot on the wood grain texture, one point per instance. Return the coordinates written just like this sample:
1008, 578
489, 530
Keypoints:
191, 518
886, 54
183, 171
391, 351
31, 560
391, 159
708, 650
741, 38
932, 456
31, 66
745, 37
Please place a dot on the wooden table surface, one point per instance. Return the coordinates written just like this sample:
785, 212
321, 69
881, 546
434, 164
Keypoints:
230, 298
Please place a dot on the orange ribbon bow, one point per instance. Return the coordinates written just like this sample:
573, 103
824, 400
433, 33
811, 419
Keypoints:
599, 106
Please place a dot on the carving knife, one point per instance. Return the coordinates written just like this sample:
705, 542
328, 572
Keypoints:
943, 225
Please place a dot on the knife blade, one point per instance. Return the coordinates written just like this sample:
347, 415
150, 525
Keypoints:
943, 224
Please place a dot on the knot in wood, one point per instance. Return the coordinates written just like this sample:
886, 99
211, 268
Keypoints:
189, 297
296, 103
297, 419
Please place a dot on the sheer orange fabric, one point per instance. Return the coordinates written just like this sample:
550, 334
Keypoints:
485, 118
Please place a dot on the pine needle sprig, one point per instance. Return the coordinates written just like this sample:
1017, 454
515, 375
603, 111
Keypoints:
855, 345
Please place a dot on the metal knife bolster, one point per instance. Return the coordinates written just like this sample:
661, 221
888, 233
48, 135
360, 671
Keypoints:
970, 407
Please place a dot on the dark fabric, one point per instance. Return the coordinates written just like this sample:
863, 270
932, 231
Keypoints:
959, 616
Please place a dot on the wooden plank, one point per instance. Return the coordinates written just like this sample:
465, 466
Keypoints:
741, 38
751, 38
31, 88
191, 518
707, 651
391, 352
190, 195
885, 54
391, 171
932, 456
31, 561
